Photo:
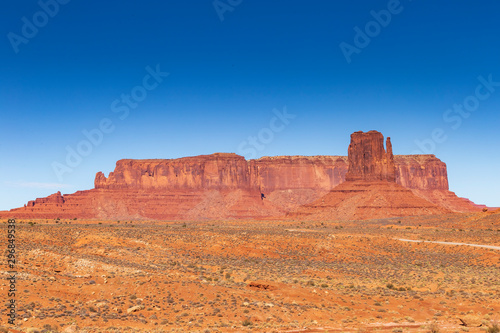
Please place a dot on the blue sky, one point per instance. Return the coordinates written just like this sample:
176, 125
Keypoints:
67, 67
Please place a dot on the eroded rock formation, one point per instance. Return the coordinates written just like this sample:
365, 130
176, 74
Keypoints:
225, 185
216, 171
55, 199
423, 172
367, 199
370, 190
227, 171
269, 173
368, 160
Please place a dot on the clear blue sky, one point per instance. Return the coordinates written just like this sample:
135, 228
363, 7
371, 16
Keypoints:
65, 70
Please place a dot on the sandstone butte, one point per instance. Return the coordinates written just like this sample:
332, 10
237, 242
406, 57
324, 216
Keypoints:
370, 183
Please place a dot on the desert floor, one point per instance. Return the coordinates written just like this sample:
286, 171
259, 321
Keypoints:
256, 276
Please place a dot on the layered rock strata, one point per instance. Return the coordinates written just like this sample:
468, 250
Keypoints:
225, 185
370, 190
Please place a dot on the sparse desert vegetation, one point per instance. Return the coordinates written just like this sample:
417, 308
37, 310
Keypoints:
259, 276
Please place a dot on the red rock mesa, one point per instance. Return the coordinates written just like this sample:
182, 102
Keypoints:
370, 190
225, 185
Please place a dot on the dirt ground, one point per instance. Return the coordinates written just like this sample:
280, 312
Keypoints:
255, 276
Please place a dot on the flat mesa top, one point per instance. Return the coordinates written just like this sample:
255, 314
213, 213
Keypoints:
263, 158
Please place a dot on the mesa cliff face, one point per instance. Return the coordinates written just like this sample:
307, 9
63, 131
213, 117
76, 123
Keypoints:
55, 198
225, 185
219, 171
216, 171
423, 172
227, 171
305, 172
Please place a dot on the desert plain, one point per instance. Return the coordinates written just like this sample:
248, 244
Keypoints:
258, 276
